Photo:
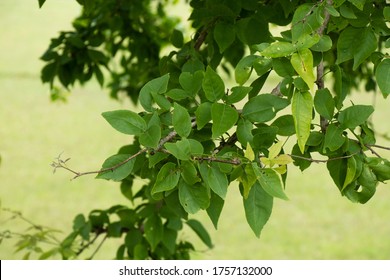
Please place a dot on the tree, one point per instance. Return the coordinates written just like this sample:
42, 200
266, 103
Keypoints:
194, 135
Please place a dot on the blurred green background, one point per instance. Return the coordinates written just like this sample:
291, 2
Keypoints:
317, 223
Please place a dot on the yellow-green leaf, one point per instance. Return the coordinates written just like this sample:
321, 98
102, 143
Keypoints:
249, 154
302, 61
302, 106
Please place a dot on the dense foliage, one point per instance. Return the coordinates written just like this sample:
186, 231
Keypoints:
195, 135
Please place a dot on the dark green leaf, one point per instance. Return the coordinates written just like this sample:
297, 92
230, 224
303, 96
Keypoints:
214, 179
153, 231
382, 75
324, 103
215, 208
258, 208
243, 69
126, 122
224, 35
41, 2
189, 173
244, 131
193, 197
282, 66
167, 178
355, 115
119, 172
177, 38
380, 167
224, 117
334, 138
181, 120
203, 114
356, 43
285, 125
238, 93
263, 107
202, 233
213, 86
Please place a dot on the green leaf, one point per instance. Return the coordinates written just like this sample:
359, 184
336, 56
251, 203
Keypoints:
224, 35
238, 93
355, 115
356, 43
177, 38
161, 101
198, 228
382, 75
177, 93
324, 45
248, 178
334, 138
282, 66
351, 172
324, 103
244, 68
203, 115
193, 197
285, 125
153, 231
180, 150
167, 178
191, 83
302, 61
125, 121
119, 173
158, 86
196, 148
151, 137
215, 208
213, 86
181, 120
41, 2
279, 49
306, 41
262, 65
169, 239
258, 208
358, 3
244, 131
214, 179
224, 117
302, 106
189, 173
156, 158
380, 167
270, 181
263, 107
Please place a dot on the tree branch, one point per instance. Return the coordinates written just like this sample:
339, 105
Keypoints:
234, 161
320, 68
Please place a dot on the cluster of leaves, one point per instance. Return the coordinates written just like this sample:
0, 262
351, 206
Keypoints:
121, 38
35, 241
195, 136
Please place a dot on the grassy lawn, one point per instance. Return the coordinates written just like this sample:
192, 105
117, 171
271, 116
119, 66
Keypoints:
317, 223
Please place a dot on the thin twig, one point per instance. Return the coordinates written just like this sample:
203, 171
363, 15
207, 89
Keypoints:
322, 160
98, 248
234, 161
